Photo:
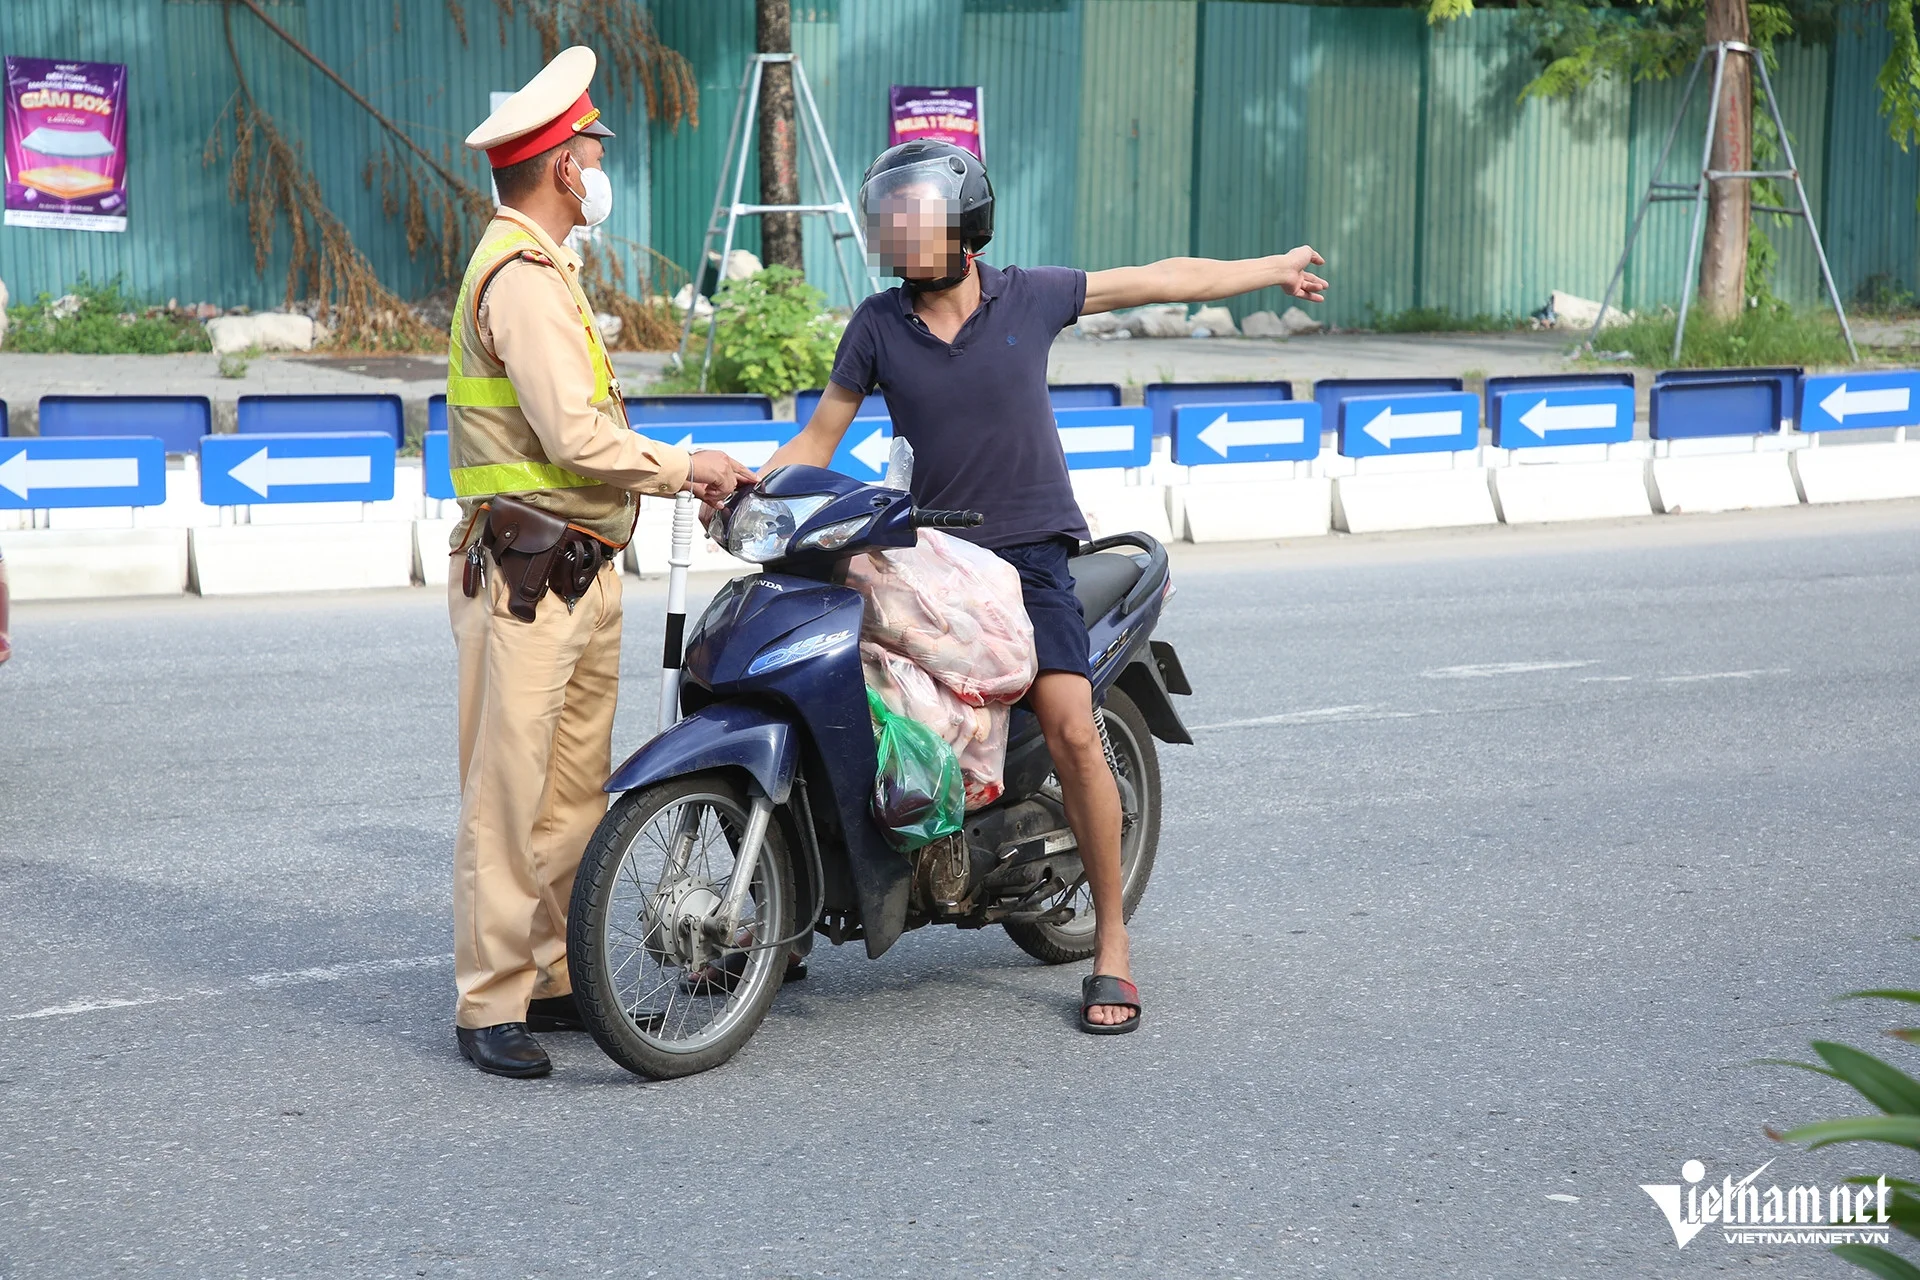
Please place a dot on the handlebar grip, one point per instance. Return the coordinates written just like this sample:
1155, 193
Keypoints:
928, 519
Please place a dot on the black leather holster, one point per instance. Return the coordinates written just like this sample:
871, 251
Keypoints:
536, 551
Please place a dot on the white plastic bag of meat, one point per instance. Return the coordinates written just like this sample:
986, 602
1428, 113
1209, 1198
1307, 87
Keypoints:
978, 735
983, 758
955, 609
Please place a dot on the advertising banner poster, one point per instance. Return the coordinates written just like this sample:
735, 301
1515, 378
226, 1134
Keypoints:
944, 115
66, 144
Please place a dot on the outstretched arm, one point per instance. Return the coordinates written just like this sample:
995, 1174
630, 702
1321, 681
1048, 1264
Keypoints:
815, 444
1203, 280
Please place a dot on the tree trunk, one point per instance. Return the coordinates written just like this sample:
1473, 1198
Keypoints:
779, 174
1723, 258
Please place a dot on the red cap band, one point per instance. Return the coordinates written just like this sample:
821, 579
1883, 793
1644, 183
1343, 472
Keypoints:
569, 122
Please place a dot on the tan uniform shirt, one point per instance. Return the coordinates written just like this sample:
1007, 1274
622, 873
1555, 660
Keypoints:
529, 322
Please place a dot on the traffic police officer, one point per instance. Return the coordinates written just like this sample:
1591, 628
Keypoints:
546, 468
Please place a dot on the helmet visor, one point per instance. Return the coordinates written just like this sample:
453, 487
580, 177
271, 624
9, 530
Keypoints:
912, 219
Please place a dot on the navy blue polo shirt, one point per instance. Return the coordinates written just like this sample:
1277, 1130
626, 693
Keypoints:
976, 412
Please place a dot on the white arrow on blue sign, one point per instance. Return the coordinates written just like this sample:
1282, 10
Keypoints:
1529, 419
1097, 438
1850, 401
863, 450
83, 471
749, 442
351, 466
1274, 431
1441, 423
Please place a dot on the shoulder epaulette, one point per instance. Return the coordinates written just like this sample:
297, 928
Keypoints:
534, 255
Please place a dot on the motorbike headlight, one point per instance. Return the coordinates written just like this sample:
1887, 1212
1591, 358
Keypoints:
761, 527
834, 536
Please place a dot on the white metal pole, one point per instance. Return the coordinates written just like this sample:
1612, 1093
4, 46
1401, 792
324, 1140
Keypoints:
679, 558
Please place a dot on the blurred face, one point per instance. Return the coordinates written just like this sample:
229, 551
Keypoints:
913, 232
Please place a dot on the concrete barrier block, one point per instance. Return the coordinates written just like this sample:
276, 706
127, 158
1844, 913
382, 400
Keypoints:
431, 561
1723, 482
1413, 500
71, 564
1126, 509
1858, 472
252, 559
1535, 494
653, 542
1249, 510
183, 508
90, 518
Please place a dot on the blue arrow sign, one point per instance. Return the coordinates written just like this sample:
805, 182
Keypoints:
1371, 426
750, 442
433, 461
1277, 431
863, 450
241, 470
83, 471
1563, 415
1847, 401
1105, 437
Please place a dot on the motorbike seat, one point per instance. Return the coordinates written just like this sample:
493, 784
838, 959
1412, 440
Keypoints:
1102, 580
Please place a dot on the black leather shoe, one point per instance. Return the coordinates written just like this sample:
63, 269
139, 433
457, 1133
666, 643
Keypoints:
555, 1013
504, 1050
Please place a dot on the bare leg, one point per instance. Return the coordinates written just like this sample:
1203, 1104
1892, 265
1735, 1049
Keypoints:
1063, 702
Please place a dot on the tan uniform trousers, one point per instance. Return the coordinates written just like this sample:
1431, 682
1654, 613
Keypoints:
536, 741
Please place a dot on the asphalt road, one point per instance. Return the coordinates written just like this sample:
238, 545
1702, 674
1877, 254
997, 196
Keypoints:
1501, 857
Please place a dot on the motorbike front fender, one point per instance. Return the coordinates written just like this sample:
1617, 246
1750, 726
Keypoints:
723, 735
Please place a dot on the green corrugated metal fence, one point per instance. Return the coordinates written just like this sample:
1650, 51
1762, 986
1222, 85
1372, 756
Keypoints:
1117, 131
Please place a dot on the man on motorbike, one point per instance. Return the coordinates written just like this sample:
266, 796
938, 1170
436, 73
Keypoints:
960, 351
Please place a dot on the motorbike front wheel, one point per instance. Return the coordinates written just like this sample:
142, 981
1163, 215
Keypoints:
663, 989
1138, 767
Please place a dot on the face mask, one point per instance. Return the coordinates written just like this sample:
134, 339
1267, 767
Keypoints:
597, 203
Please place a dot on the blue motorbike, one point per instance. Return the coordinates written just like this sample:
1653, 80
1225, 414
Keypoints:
745, 828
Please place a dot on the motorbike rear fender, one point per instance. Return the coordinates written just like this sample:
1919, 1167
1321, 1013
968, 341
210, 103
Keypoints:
1144, 680
722, 735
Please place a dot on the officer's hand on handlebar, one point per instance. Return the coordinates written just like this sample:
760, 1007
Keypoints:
1296, 280
712, 476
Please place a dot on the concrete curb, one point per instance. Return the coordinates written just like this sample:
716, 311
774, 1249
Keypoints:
1552, 492
1413, 500
79, 564
1857, 472
1722, 482
1249, 510
259, 559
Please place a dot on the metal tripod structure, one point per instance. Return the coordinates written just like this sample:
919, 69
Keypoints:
1696, 190
813, 136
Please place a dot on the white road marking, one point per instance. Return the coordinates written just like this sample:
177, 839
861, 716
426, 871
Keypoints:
95, 1006
1319, 715
268, 980
1724, 675
1481, 670
1604, 679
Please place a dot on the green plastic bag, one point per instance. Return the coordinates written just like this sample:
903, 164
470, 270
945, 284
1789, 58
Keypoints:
918, 794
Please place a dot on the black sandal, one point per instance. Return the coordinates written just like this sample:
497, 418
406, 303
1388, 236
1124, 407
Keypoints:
1104, 988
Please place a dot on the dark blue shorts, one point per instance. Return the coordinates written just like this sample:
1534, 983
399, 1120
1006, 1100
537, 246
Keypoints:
1059, 625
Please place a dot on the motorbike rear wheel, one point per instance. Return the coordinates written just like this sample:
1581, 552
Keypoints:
660, 994
1139, 765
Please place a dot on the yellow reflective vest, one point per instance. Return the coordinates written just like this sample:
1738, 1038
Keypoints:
491, 446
